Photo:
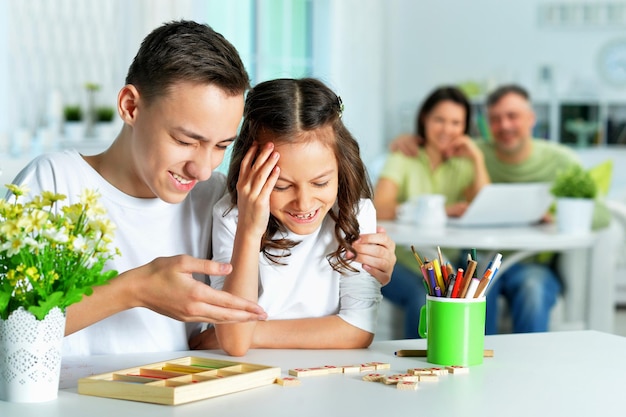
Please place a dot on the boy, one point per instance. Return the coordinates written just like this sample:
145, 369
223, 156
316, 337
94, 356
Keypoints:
181, 106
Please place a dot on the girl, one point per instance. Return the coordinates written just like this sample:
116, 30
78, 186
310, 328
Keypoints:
299, 197
448, 163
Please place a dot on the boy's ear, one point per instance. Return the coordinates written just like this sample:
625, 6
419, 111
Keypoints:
127, 100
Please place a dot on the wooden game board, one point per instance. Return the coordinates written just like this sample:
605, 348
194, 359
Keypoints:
178, 381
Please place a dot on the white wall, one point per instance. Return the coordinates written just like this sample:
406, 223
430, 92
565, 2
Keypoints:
348, 51
450, 41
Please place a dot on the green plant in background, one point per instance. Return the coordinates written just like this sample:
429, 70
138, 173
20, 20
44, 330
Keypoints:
72, 113
105, 113
50, 256
574, 182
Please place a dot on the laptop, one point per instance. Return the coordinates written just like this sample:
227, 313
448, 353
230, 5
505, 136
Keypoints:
511, 204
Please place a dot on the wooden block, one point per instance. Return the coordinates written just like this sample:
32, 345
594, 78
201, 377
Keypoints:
428, 377
367, 367
380, 365
308, 371
419, 371
439, 371
332, 369
395, 378
348, 369
391, 379
407, 386
373, 377
288, 381
458, 369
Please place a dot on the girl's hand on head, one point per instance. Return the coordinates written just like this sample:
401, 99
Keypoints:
257, 177
377, 254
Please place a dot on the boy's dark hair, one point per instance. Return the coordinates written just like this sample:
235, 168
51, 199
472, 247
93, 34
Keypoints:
285, 108
444, 93
497, 94
186, 51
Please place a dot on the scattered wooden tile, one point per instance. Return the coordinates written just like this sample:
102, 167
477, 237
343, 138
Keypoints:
332, 369
419, 371
428, 377
367, 367
288, 381
373, 377
308, 371
407, 386
347, 369
380, 365
439, 371
458, 369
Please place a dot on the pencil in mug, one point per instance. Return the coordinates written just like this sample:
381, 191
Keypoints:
450, 285
442, 265
438, 276
431, 278
457, 283
417, 257
469, 272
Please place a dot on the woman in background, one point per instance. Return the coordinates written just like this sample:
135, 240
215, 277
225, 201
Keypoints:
448, 163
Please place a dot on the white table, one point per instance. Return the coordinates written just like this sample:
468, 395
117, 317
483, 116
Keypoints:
587, 261
581, 373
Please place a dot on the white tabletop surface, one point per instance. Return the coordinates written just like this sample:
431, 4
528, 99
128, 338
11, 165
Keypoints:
538, 237
587, 262
580, 373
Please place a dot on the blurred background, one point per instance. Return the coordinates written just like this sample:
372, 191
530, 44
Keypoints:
58, 57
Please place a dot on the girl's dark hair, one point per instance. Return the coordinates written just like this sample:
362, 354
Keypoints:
445, 93
285, 108
186, 51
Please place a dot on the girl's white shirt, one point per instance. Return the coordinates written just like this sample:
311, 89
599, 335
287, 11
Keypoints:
305, 285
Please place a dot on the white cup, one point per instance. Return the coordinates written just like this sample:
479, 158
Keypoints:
430, 211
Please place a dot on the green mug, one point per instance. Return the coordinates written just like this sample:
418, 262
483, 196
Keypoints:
454, 329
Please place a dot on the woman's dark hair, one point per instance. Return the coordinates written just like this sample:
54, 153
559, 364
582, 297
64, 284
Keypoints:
282, 110
444, 93
186, 51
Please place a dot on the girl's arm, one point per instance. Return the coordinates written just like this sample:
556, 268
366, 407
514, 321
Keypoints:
330, 332
254, 186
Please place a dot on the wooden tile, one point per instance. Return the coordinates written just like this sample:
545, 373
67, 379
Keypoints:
407, 386
308, 371
288, 381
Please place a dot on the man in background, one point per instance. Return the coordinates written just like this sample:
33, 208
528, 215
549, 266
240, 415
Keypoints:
530, 287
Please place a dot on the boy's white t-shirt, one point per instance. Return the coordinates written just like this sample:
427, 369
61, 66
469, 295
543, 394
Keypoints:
306, 285
147, 228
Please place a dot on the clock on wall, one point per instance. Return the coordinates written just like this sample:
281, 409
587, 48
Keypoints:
612, 62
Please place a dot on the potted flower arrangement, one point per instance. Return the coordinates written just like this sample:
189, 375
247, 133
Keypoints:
50, 257
575, 191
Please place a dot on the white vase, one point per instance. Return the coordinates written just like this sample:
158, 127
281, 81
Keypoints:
30, 356
574, 215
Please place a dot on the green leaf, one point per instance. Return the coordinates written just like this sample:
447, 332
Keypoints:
46, 305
